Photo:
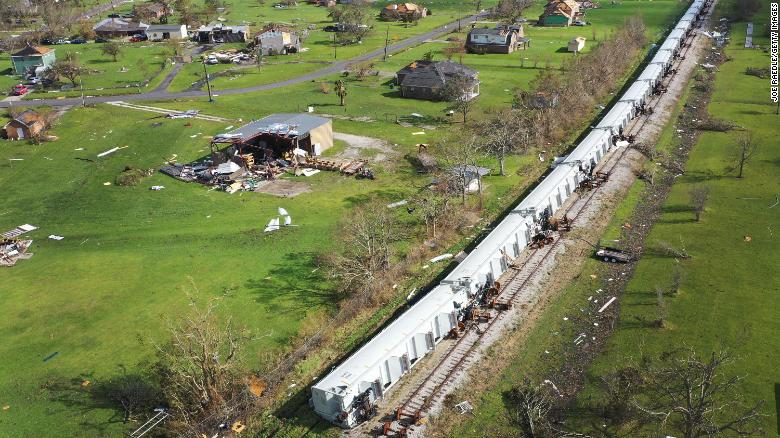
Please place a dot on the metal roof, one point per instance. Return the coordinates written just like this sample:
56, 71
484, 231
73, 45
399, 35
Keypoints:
291, 124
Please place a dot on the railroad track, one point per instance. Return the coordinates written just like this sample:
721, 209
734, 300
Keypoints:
462, 352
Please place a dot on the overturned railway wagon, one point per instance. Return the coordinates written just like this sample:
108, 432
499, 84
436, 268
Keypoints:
364, 377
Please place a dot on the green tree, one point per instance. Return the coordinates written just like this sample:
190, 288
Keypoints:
341, 90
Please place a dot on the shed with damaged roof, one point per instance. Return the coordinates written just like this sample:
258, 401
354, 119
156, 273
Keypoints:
501, 39
278, 135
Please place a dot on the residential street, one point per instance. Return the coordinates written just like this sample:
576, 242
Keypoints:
161, 94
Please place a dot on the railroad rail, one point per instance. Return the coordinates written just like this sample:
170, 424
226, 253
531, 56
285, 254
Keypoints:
463, 350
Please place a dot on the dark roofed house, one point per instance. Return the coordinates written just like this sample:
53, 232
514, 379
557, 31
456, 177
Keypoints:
501, 39
426, 79
279, 134
28, 124
118, 27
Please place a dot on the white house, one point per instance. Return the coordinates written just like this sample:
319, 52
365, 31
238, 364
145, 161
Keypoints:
159, 32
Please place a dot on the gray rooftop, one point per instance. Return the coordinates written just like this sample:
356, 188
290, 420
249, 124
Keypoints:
292, 124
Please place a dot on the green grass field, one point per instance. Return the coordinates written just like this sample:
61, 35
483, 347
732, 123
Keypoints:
131, 256
727, 297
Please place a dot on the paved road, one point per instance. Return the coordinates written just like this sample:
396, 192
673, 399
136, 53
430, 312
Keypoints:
100, 9
336, 67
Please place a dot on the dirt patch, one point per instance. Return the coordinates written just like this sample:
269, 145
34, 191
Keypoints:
359, 146
283, 188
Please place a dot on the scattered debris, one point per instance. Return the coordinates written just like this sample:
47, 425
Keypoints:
55, 237
397, 203
156, 188
607, 304
464, 407
748, 238
13, 250
441, 257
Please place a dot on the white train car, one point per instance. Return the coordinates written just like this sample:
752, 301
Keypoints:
638, 93
664, 58
379, 364
652, 74
618, 117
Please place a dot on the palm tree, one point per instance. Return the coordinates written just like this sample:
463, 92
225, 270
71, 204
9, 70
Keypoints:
341, 90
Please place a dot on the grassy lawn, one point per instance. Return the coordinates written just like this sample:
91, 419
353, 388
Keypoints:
138, 62
548, 48
728, 293
131, 256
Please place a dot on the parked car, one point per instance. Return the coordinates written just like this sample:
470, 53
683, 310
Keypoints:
580, 23
138, 38
47, 41
62, 41
78, 40
19, 90
113, 15
331, 28
211, 60
101, 40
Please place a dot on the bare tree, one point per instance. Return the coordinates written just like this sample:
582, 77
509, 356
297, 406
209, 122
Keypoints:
511, 10
197, 367
69, 69
366, 240
355, 20
504, 133
678, 252
699, 196
698, 398
432, 206
460, 156
745, 151
111, 49
458, 91
530, 406
361, 69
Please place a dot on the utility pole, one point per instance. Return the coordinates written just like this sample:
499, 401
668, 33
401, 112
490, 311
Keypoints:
387, 41
208, 84
81, 85
334, 45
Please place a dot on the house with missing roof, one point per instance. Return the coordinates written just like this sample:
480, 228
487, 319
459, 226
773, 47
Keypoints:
278, 135
31, 59
560, 13
501, 39
426, 79
222, 33
277, 40
119, 27
28, 124
403, 12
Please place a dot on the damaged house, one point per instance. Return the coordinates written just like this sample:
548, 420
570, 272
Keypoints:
560, 13
221, 33
426, 79
28, 124
277, 40
117, 27
501, 39
258, 151
403, 12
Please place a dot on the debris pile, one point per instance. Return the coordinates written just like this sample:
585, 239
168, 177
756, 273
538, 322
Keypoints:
12, 248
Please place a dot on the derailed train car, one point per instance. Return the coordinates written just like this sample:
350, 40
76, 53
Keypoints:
345, 395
